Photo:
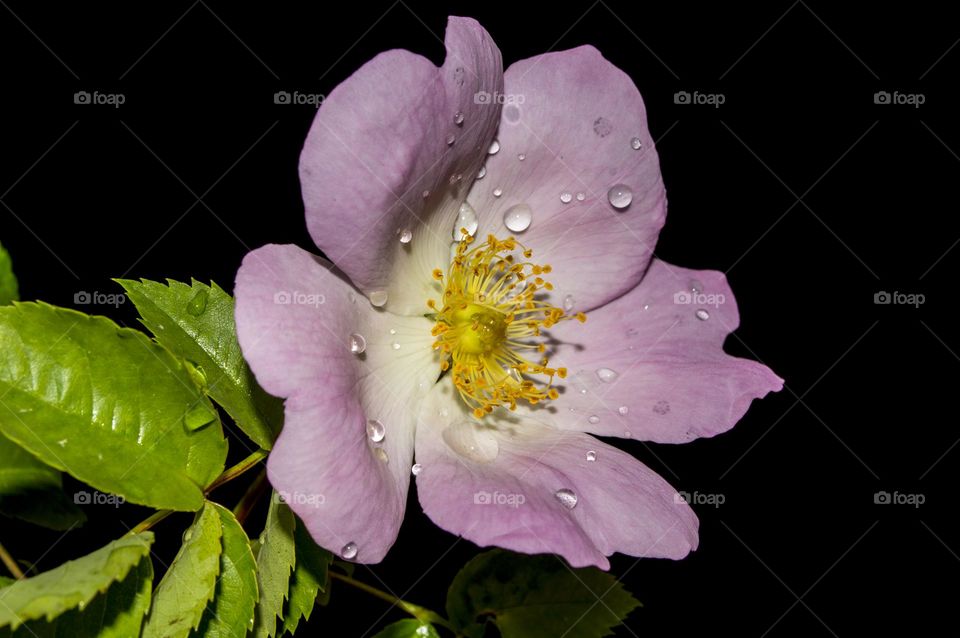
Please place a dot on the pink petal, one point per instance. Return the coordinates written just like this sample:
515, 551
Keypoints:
574, 127
651, 365
497, 484
294, 322
379, 142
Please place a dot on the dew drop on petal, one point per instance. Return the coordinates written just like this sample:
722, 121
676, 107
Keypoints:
349, 551
405, 236
458, 118
566, 197
425, 194
455, 178
518, 217
466, 218
511, 113
594, 419
378, 298
627, 434
375, 430
602, 127
393, 331
395, 345
522, 156
581, 196
451, 139
497, 192
567, 498
482, 172
636, 144
661, 407
591, 456
623, 410
620, 196
606, 375
702, 314
357, 343
494, 148
416, 469
458, 74
471, 441
695, 285
568, 303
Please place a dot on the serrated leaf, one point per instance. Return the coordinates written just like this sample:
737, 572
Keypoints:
534, 596
409, 628
309, 578
231, 612
107, 405
196, 322
32, 490
189, 584
275, 561
8, 282
73, 584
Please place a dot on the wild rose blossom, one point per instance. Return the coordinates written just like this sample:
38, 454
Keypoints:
492, 301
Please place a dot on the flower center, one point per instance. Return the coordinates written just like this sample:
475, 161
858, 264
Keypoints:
489, 318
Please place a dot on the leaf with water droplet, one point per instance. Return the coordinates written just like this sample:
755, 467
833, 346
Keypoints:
408, 628
198, 303
32, 490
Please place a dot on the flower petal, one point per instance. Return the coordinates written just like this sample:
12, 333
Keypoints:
295, 319
497, 485
651, 365
573, 116
380, 140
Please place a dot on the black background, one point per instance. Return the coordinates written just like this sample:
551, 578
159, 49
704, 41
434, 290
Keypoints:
808, 194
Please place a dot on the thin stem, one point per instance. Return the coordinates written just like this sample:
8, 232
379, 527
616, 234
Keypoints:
10, 563
420, 613
250, 497
149, 522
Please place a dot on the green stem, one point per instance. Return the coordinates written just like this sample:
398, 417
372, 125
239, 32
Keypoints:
420, 613
250, 497
10, 563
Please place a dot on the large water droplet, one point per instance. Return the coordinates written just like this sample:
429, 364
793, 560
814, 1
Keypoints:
458, 118
357, 343
472, 441
566, 197
482, 172
378, 298
567, 498
416, 469
568, 303
198, 303
602, 127
518, 217
620, 196
349, 551
375, 430
591, 456
494, 147
702, 314
636, 144
405, 235
606, 374
661, 407
594, 419
466, 218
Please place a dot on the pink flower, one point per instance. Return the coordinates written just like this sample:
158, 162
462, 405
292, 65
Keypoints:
554, 152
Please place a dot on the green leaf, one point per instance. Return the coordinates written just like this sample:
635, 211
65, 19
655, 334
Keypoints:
8, 282
73, 584
275, 561
20, 470
231, 612
31, 490
409, 628
196, 322
309, 578
533, 596
107, 405
4, 581
189, 584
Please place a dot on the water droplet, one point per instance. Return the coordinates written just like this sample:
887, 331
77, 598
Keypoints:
581, 197
567, 498
451, 139
482, 172
381, 455
494, 148
416, 469
583, 390
518, 217
472, 441
661, 407
497, 192
594, 419
636, 144
395, 345
378, 298
566, 197
349, 551
623, 410
458, 118
627, 434
521, 156
511, 113
568, 303
187, 535
357, 343
62, 442
620, 196
375, 430
702, 314
423, 630
591, 456
393, 331
425, 194
606, 375
602, 127
646, 306
455, 178
458, 74
405, 235
197, 304
695, 286
466, 218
